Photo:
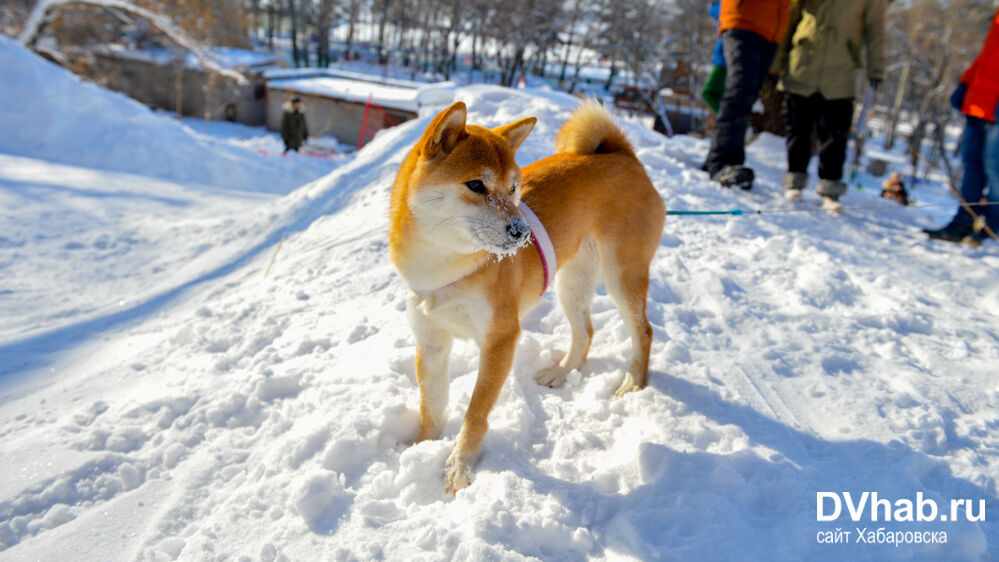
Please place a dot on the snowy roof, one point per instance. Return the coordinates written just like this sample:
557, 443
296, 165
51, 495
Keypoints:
387, 95
232, 57
289, 73
226, 57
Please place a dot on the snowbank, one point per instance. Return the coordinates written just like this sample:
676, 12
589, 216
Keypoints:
271, 417
48, 113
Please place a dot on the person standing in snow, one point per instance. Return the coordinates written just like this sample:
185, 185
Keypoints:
817, 64
977, 97
750, 31
294, 131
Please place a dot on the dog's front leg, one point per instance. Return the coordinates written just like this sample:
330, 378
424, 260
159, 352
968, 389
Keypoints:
495, 360
433, 349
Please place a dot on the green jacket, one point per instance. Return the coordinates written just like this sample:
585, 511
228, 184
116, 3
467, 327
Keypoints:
826, 43
294, 131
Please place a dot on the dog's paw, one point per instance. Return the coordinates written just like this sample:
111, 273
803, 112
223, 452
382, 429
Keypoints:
553, 377
457, 472
628, 385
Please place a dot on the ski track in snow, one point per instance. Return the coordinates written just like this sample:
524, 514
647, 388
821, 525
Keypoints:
225, 414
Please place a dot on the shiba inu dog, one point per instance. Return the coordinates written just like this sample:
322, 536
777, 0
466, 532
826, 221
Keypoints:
478, 241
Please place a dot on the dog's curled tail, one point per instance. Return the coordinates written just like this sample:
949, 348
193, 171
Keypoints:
591, 130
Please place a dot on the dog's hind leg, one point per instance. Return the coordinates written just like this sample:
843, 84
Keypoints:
575, 284
627, 280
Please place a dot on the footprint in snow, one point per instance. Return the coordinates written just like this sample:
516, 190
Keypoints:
361, 331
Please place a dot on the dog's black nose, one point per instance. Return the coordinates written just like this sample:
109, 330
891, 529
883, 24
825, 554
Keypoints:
517, 230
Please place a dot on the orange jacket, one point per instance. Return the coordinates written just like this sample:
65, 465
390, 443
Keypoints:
982, 78
766, 17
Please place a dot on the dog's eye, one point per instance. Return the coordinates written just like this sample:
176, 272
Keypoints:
476, 185
513, 189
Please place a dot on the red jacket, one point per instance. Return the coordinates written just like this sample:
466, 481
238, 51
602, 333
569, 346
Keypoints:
982, 78
766, 17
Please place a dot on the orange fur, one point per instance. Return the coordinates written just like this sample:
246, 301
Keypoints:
592, 131
600, 210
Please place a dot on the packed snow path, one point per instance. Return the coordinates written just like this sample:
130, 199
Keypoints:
269, 417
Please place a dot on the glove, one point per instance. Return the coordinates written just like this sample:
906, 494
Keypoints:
875, 82
957, 98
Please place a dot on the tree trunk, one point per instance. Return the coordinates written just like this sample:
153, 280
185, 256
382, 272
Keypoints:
475, 52
270, 26
568, 49
323, 29
382, 51
293, 20
209, 95
351, 28
613, 73
424, 51
255, 19
516, 61
915, 142
178, 85
896, 110
303, 27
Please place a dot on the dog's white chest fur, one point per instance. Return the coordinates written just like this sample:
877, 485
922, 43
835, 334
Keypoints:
462, 314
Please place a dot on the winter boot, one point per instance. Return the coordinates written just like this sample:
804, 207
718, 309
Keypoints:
830, 190
953, 232
976, 238
794, 183
735, 176
831, 205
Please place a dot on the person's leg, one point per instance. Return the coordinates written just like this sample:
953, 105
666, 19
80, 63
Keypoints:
799, 116
972, 184
991, 160
833, 129
974, 179
766, 57
744, 54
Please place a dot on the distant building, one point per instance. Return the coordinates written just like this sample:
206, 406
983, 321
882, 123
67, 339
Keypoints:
337, 103
161, 79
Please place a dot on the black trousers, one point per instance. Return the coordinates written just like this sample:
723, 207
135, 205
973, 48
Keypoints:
748, 56
830, 120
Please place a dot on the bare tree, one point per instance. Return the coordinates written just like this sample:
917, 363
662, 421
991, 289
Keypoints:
926, 73
323, 24
291, 9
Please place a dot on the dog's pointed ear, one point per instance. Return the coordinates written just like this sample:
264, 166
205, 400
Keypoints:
515, 133
445, 131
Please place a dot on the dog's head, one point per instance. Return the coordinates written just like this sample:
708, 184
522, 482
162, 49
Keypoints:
465, 185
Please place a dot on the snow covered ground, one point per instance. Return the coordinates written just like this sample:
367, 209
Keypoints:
208, 373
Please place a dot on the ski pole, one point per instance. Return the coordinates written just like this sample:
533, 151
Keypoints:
735, 212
